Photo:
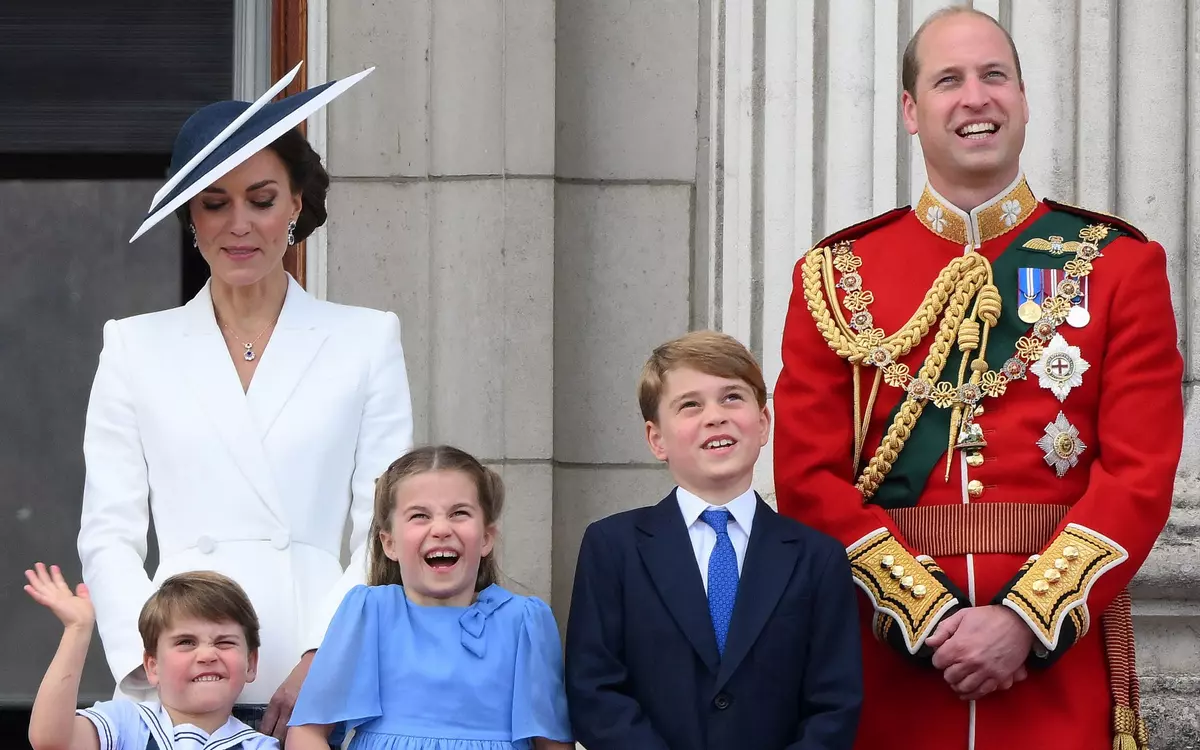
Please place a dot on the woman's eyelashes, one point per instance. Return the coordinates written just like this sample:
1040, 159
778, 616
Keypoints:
262, 204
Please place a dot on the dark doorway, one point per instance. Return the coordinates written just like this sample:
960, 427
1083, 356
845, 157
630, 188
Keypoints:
93, 96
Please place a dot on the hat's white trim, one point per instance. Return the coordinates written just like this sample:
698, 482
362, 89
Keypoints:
261, 102
245, 152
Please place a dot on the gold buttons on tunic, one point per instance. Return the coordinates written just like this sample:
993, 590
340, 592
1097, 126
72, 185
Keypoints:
898, 572
1041, 587
1052, 575
887, 561
906, 582
974, 488
1070, 552
918, 591
974, 460
1061, 564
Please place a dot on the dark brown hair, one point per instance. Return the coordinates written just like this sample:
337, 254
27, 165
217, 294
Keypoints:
910, 66
201, 594
709, 352
307, 176
382, 569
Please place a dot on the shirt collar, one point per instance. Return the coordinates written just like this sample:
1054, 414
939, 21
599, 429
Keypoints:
1006, 211
158, 721
741, 507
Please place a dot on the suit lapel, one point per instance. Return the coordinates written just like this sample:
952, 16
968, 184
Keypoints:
770, 559
667, 552
285, 361
207, 366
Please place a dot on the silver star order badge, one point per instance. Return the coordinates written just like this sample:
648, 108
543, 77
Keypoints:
1060, 367
1061, 444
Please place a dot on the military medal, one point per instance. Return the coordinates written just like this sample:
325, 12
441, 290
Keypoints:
1079, 316
1060, 368
1030, 289
1029, 311
1061, 445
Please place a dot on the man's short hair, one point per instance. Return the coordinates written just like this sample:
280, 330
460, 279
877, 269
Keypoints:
201, 594
910, 66
709, 352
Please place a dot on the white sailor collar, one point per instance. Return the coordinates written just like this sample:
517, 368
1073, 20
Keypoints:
233, 734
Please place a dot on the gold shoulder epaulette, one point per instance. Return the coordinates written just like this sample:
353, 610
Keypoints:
855, 231
1099, 216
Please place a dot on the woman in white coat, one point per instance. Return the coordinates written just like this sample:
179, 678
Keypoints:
251, 422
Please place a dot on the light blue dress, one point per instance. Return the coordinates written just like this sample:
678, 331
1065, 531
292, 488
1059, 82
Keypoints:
408, 677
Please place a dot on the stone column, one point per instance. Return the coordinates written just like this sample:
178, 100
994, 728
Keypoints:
442, 210
626, 169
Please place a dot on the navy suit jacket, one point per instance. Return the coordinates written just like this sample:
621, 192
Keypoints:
642, 668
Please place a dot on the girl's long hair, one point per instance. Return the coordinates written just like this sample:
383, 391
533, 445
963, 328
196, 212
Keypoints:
382, 570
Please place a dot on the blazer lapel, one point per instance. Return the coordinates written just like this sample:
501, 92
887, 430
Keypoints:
770, 559
289, 352
207, 366
667, 552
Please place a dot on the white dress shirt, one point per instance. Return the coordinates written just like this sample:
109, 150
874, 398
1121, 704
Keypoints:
702, 535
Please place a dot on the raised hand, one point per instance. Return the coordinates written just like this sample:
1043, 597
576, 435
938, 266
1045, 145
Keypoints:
48, 589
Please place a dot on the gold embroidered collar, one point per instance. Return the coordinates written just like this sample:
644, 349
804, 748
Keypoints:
987, 221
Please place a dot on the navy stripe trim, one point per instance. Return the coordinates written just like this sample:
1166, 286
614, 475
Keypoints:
106, 739
156, 728
233, 741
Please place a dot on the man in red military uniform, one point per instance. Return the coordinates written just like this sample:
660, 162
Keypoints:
982, 399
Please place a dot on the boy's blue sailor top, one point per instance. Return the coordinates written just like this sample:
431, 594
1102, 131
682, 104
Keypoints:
125, 725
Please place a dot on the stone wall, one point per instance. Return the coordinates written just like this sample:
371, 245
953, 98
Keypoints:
517, 180
443, 210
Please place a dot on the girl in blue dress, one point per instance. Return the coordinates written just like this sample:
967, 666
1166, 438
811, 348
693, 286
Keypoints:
434, 654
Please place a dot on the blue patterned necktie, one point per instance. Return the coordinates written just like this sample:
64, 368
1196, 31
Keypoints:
722, 576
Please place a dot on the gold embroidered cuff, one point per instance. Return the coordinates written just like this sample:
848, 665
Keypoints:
905, 590
1050, 593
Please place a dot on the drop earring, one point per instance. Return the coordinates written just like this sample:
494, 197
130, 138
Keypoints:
291, 238
195, 239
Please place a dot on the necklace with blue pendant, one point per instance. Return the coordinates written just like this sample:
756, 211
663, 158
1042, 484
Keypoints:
249, 354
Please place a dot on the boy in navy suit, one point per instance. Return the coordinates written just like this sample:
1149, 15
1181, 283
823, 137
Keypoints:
708, 620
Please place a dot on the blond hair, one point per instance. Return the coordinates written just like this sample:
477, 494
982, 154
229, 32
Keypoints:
490, 488
201, 594
709, 352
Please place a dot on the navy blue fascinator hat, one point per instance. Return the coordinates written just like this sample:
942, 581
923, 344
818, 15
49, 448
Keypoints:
220, 136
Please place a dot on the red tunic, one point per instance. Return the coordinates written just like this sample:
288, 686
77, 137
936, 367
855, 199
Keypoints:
1129, 414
